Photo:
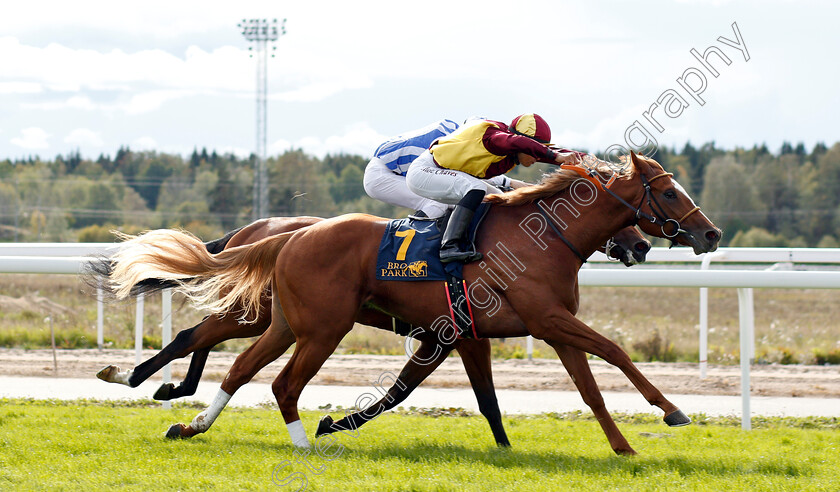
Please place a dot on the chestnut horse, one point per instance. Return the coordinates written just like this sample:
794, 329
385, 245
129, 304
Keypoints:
627, 246
325, 276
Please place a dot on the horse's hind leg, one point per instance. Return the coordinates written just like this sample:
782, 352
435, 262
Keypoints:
214, 330
475, 355
181, 346
187, 387
575, 362
209, 332
423, 362
271, 345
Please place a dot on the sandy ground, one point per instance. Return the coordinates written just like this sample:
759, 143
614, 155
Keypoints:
362, 370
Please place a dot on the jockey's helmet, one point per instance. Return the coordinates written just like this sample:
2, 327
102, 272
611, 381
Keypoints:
532, 125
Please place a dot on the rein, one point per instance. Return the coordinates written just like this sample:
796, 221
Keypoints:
557, 231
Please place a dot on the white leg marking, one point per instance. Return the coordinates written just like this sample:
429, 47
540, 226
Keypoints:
205, 419
107, 373
297, 434
112, 374
122, 377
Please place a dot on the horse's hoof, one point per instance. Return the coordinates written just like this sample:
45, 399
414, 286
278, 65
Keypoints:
625, 451
179, 431
107, 373
324, 426
162, 394
677, 419
174, 432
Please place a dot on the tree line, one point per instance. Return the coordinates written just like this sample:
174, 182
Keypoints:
758, 197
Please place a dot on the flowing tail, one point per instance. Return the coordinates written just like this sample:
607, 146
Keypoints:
97, 270
235, 277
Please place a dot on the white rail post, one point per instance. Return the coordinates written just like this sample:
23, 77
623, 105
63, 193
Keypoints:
166, 336
138, 331
529, 347
746, 330
704, 315
751, 325
704, 331
100, 331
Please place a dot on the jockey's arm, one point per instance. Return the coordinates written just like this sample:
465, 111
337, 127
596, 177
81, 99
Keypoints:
505, 183
502, 143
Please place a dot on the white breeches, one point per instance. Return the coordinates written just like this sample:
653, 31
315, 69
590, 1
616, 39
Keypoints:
383, 184
442, 185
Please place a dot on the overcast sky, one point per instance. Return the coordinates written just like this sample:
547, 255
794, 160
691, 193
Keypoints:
176, 75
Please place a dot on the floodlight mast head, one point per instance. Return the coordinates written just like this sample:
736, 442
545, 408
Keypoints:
262, 29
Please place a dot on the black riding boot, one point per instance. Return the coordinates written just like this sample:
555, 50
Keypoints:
456, 229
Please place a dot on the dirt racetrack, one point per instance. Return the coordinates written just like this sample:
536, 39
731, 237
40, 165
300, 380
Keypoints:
540, 374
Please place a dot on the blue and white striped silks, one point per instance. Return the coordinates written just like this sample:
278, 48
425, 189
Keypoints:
399, 152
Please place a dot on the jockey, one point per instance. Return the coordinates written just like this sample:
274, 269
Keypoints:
455, 169
385, 173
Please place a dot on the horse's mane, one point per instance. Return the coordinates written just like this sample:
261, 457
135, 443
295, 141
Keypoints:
553, 183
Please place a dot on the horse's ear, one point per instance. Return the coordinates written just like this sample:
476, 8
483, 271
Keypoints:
639, 164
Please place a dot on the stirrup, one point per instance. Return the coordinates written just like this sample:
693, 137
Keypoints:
421, 216
451, 255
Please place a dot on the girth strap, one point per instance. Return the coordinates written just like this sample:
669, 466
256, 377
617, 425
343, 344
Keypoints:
459, 307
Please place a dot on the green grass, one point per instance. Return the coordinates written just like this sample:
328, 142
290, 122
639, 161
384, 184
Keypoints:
87, 445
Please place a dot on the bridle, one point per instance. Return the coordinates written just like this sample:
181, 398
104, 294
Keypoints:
611, 244
659, 216
658, 211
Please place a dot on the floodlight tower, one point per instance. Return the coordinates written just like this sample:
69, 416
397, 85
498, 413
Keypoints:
261, 32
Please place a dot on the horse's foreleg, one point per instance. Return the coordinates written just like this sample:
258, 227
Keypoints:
575, 362
271, 345
475, 355
423, 362
569, 330
307, 359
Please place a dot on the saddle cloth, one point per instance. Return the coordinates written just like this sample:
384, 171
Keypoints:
409, 250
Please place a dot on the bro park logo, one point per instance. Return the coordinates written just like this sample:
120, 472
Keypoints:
399, 269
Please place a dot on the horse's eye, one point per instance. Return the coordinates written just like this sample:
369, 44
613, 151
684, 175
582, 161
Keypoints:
670, 194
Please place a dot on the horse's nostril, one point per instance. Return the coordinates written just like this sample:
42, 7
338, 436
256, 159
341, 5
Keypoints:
712, 236
642, 247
